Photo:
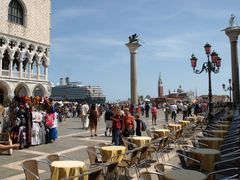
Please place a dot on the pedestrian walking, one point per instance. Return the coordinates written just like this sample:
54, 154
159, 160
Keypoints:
154, 114
127, 123
84, 115
108, 119
138, 125
116, 125
93, 119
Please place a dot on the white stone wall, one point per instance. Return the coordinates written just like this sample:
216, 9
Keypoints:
37, 21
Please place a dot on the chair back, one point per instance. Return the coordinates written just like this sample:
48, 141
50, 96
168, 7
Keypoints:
111, 172
183, 161
53, 157
143, 154
95, 174
134, 157
92, 154
30, 168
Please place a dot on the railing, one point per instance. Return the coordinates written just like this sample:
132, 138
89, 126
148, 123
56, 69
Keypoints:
25, 75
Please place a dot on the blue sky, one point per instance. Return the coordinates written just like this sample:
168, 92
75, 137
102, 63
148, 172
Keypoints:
88, 40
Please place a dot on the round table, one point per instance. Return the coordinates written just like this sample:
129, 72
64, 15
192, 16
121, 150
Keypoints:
191, 119
174, 127
206, 156
184, 122
218, 133
212, 142
111, 153
162, 132
62, 169
183, 174
140, 140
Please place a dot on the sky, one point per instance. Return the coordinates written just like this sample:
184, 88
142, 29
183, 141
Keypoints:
88, 40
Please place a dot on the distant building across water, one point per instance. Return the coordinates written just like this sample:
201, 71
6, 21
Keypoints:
75, 91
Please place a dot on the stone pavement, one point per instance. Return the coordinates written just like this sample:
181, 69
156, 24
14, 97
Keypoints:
72, 142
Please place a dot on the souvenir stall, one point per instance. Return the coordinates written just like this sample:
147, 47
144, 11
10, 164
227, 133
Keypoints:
28, 122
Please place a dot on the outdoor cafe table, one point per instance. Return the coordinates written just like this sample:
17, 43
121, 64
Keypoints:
206, 156
62, 169
212, 142
111, 153
192, 119
183, 174
174, 127
218, 133
223, 126
140, 140
184, 122
162, 132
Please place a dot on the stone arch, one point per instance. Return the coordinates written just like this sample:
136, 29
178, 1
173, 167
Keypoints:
5, 91
39, 90
22, 90
5, 60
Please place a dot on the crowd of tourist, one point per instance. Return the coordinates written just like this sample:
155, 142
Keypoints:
34, 120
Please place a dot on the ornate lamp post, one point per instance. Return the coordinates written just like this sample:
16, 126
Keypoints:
229, 88
209, 67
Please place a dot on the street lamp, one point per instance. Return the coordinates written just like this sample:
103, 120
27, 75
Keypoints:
209, 67
229, 88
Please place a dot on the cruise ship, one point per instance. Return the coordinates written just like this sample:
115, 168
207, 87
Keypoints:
75, 91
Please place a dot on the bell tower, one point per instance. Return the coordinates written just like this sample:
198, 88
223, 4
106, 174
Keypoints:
160, 86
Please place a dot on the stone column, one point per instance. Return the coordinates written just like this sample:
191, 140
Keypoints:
46, 72
1, 57
233, 32
133, 70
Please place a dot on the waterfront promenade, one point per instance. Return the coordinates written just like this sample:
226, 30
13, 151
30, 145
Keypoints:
72, 142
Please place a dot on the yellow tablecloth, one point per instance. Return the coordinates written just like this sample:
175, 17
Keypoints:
212, 142
140, 140
61, 169
184, 122
218, 133
174, 127
184, 174
192, 119
206, 156
111, 153
162, 132
223, 126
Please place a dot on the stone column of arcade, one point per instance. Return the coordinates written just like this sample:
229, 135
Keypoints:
233, 32
133, 45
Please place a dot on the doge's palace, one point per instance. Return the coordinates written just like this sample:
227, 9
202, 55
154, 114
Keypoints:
24, 48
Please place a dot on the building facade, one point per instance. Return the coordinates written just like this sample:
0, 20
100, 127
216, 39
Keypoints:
24, 48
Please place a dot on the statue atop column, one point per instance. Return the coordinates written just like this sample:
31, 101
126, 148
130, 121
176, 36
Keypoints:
133, 38
232, 20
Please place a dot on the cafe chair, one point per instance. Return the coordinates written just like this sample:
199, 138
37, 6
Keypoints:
92, 174
30, 168
93, 156
128, 144
222, 174
157, 147
228, 163
147, 175
129, 161
151, 134
111, 170
143, 157
186, 161
160, 167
